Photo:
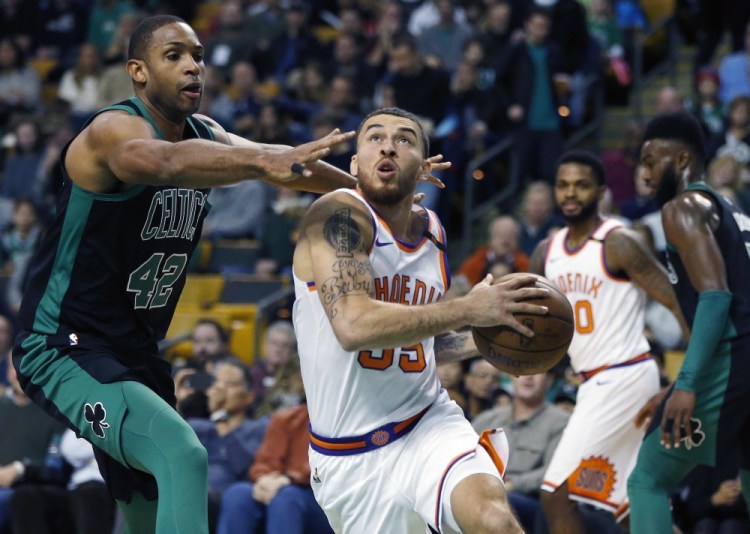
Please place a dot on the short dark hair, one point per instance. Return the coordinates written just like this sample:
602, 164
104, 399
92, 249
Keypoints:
589, 159
398, 112
142, 34
682, 127
247, 376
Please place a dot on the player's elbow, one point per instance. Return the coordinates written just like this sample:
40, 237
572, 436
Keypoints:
349, 338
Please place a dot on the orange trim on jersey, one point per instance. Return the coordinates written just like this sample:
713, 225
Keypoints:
406, 422
587, 375
573, 252
338, 446
622, 511
550, 484
484, 441
311, 286
405, 247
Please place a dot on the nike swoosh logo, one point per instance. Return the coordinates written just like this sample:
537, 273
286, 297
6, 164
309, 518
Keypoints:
602, 382
379, 243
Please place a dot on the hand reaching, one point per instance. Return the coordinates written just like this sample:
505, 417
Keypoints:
436, 164
279, 165
675, 424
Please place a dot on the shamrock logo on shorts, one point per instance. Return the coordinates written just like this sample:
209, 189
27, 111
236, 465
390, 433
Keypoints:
698, 435
95, 416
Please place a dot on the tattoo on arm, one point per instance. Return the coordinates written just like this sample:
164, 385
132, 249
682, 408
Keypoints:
452, 346
351, 275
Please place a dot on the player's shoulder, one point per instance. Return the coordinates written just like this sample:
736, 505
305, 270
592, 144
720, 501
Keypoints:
339, 203
689, 207
118, 123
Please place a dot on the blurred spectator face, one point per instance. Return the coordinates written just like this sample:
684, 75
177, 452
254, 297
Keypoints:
295, 17
390, 18
669, 100
351, 22
465, 78
340, 93
474, 52
531, 389
483, 379
723, 171
243, 77
538, 203
537, 29
229, 390
503, 240
268, 117
24, 216
232, 15
404, 60
708, 85
446, 11
345, 50
8, 55
739, 112
450, 374
312, 78
27, 136
207, 343
280, 346
498, 17
88, 58
498, 269
601, 8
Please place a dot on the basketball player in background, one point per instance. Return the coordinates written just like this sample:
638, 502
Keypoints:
606, 271
707, 412
389, 451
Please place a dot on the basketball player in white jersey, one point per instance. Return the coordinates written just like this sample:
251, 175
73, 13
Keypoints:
389, 451
606, 271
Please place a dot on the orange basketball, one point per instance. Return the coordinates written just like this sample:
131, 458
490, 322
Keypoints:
518, 355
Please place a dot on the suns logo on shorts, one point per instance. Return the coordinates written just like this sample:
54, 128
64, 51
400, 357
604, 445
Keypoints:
380, 438
595, 478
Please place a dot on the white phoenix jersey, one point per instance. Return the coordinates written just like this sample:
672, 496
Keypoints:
352, 393
609, 309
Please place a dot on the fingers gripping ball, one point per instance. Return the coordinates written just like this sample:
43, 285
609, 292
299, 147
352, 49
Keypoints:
517, 354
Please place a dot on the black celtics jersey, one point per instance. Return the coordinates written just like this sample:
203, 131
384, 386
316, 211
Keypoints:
112, 266
733, 238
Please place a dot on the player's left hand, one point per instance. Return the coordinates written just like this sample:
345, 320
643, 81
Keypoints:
675, 424
646, 414
436, 164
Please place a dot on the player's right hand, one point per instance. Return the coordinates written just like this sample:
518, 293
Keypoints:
495, 304
278, 166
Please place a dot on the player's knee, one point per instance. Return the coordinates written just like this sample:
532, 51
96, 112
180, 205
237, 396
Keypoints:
194, 454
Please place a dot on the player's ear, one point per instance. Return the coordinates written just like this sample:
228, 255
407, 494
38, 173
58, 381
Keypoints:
137, 70
683, 161
353, 166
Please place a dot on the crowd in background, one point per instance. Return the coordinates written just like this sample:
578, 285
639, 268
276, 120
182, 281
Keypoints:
476, 72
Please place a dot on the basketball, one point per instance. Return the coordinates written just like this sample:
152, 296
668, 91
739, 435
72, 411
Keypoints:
518, 355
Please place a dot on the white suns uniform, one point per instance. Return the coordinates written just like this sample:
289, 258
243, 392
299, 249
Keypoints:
398, 481
599, 447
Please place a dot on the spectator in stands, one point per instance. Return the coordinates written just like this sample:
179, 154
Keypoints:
734, 72
669, 99
610, 41
104, 20
347, 60
17, 244
80, 85
83, 506
210, 346
279, 346
533, 427
24, 172
293, 48
620, 165
714, 16
736, 139
279, 234
61, 29
451, 377
499, 32
442, 43
115, 84
502, 245
287, 390
725, 176
19, 84
241, 98
231, 43
6, 342
421, 89
17, 20
537, 216
230, 437
237, 210
27, 435
278, 498
527, 93
270, 127
390, 24
428, 14
482, 386
642, 203
707, 107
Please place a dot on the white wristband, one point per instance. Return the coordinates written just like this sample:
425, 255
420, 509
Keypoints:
19, 467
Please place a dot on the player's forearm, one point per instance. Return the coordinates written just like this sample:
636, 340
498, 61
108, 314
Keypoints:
385, 325
193, 163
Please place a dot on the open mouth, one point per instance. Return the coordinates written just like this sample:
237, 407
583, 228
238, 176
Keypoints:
193, 90
386, 169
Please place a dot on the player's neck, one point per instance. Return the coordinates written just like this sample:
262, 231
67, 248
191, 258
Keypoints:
580, 231
172, 128
398, 217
